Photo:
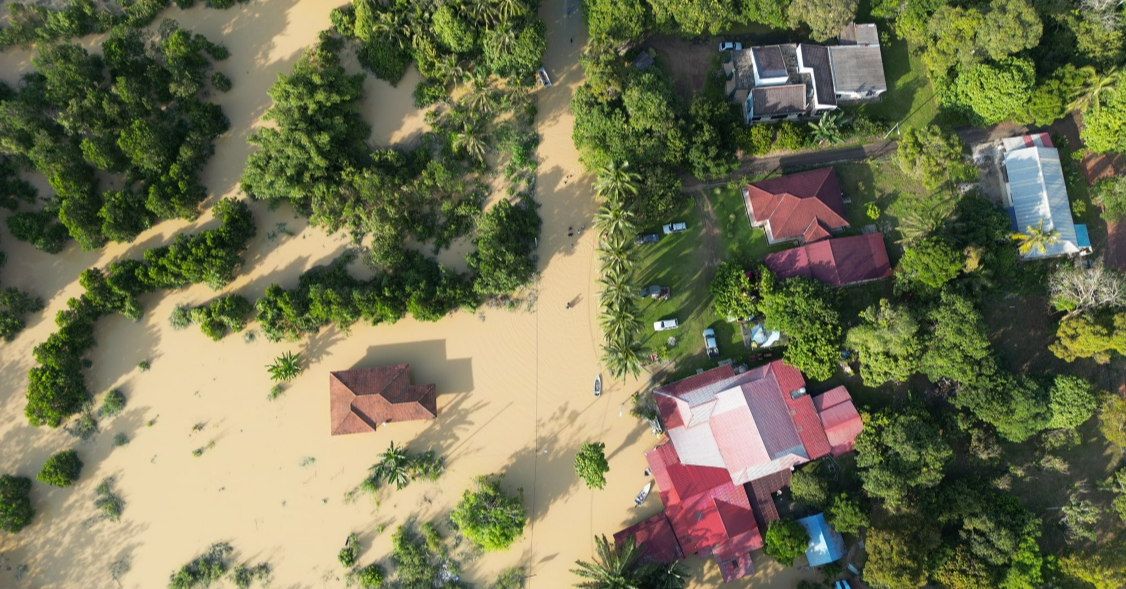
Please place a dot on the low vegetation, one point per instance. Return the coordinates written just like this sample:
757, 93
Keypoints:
108, 503
62, 469
16, 511
205, 569
398, 466
488, 516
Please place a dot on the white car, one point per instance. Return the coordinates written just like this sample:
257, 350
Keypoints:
544, 78
665, 324
674, 228
709, 343
730, 46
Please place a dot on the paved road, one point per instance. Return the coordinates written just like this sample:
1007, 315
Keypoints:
765, 165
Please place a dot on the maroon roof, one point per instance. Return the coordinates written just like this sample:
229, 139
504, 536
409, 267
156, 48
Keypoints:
656, 539
791, 204
840, 261
761, 493
360, 400
840, 419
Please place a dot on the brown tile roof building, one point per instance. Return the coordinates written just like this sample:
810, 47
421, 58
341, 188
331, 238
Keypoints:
837, 262
365, 398
805, 207
778, 100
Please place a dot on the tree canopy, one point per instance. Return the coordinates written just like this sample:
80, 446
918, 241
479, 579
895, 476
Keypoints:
488, 516
900, 451
591, 465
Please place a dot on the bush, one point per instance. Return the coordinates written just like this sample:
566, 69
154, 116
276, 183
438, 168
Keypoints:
429, 93
785, 540
107, 502
112, 404
221, 82
790, 137
15, 503
846, 515
489, 517
809, 486
351, 551
757, 139
591, 465
204, 570
369, 577
61, 469
120, 439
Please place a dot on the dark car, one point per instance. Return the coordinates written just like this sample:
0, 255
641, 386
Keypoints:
646, 238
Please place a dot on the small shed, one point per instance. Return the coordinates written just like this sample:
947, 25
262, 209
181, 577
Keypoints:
825, 544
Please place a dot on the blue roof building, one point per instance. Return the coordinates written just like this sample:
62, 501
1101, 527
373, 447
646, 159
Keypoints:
825, 544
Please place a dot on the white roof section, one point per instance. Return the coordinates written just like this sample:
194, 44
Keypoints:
696, 446
1038, 192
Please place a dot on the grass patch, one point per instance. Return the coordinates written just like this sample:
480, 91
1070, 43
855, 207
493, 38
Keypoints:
910, 98
738, 240
883, 183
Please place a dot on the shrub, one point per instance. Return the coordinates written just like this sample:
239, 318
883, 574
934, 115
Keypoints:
790, 137
221, 82
809, 486
369, 577
785, 540
112, 404
120, 439
591, 465
84, 427
107, 502
285, 367
489, 517
181, 317
203, 570
15, 503
350, 552
242, 576
61, 469
757, 139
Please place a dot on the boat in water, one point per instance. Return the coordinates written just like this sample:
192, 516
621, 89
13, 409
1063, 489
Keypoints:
642, 495
598, 386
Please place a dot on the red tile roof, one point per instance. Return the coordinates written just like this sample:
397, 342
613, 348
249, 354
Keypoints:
360, 400
792, 204
656, 539
840, 261
840, 419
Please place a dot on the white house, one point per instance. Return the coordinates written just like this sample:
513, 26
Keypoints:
1035, 192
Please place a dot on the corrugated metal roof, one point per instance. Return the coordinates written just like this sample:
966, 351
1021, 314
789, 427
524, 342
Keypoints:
697, 446
857, 68
1038, 192
838, 262
840, 419
656, 538
825, 544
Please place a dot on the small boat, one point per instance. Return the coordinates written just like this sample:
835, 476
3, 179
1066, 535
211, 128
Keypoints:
598, 386
642, 495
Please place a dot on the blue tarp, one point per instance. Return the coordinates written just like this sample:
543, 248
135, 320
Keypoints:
825, 544
1082, 239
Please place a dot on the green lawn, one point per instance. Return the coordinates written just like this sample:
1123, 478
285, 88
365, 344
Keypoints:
910, 99
884, 183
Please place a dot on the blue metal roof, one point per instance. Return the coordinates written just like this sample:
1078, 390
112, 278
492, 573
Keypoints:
1013, 217
825, 544
1082, 239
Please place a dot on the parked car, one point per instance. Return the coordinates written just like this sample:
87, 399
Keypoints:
665, 324
655, 291
730, 46
709, 343
544, 78
674, 228
646, 238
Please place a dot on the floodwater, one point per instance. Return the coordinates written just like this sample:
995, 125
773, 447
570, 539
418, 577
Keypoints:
514, 386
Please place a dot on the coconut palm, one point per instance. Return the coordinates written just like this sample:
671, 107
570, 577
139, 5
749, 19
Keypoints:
506, 10
619, 326
614, 220
828, 129
615, 288
1036, 238
614, 182
615, 257
393, 26
450, 70
479, 10
661, 575
1090, 93
481, 100
614, 567
622, 358
394, 466
470, 141
285, 367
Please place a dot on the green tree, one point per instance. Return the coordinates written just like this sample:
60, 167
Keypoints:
711, 152
1095, 337
887, 343
898, 551
996, 91
614, 566
1052, 97
1112, 420
1018, 406
1072, 402
1010, 26
452, 31
1110, 194
694, 17
899, 451
803, 309
504, 260
810, 486
61, 469
825, 18
846, 514
933, 157
926, 266
285, 367
16, 511
516, 55
489, 517
1104, 127
732, 291
959, 347
785, 540
591, 465
617, 20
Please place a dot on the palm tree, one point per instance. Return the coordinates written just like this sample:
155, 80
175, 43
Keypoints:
1036, 238
828, 129
285, 367
394, 466
614, 182
1090, 93
506, 10
615, 289
618, 327
614, 567
480, 100
614, 220
470, 141
660, 575
615, 257
622, 358
480, 10
393, 26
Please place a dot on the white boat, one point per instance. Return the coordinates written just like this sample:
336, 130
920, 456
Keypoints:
642, 495
598, 386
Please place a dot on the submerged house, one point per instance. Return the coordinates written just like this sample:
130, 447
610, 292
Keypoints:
790, 81
1035, 193
732, 442
362, 399
803, 207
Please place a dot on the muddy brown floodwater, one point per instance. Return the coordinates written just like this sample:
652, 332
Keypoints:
514, 386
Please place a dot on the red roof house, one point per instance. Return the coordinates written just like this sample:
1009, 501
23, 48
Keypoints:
837, 262
840, 419
805, 207
655, 537
732, 439
359, 400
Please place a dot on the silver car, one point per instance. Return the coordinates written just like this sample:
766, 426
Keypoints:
709, 343
665, 324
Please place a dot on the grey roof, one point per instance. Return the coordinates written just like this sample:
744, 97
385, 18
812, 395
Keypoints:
862, 34
643, 61
777, 100
770, 63
857, 68
1039, 194
816, 57
744, 75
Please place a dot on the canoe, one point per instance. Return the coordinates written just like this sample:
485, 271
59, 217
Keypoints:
642, 495
598, 386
